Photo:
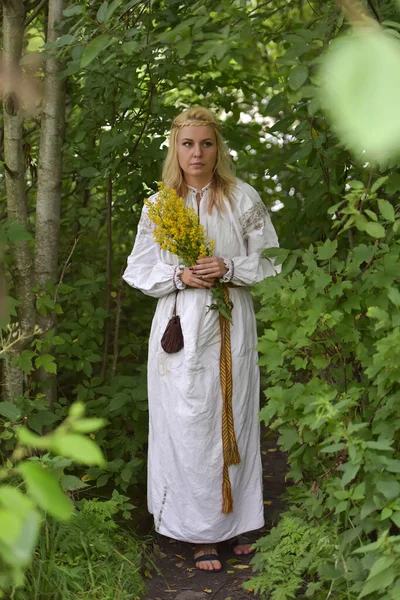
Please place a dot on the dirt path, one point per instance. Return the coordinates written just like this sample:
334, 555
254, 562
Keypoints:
180, 580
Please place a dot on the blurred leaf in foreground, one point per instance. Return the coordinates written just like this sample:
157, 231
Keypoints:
360, 91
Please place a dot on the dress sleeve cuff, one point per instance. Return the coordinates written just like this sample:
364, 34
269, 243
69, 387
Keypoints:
230, 272
178, 283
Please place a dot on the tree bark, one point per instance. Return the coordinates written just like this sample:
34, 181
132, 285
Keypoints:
107, 329
13, 34
50, 180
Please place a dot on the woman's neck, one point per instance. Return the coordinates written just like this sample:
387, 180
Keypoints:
197, 182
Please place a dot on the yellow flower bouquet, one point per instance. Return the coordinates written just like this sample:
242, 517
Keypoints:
177, 230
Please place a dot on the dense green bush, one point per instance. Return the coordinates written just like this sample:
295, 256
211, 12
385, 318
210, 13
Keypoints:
331, 346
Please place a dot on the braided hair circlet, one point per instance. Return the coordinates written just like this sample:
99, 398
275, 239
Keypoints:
196, 122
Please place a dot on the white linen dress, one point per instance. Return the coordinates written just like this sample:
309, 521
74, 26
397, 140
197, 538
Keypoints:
185, 461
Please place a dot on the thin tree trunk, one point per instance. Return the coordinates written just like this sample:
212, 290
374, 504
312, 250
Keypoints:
108, 276
13, 34
50, 180
118, 322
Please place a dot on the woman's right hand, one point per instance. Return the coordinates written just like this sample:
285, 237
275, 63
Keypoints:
193, 281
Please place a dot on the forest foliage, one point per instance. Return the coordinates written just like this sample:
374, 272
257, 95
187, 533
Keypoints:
329, 324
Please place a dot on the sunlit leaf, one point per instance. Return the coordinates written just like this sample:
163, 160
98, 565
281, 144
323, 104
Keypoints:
360, 90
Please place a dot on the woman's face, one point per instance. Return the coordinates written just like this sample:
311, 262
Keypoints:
197, 153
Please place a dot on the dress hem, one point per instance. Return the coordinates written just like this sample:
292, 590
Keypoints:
239, 531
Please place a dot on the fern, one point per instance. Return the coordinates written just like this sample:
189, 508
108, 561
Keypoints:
293, 550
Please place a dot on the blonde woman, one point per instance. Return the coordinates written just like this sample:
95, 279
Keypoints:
186, 463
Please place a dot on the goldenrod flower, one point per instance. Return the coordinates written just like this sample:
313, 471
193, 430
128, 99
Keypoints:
178, 230
177, 227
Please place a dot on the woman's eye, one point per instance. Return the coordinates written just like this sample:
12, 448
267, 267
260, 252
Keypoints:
207, 144
187, 144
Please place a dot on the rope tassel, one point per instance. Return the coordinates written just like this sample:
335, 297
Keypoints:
229, 443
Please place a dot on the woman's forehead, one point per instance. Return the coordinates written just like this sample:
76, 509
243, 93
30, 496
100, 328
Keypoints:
196, 133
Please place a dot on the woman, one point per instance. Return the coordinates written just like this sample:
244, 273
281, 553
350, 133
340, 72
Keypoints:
185, 467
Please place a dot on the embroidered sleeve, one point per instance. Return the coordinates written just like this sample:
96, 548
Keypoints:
230, 272
178, 283
254, 218
146, 225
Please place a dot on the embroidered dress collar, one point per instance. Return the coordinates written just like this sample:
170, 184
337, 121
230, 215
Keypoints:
201, 191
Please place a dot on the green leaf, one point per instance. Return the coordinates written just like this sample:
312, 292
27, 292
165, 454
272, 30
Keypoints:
328, 250
65, 40
10, 526
103, 479
396, 518
378, 183
76, 9
13, 497
47, 362
25, 361
383, 563
102, 12
89, 172
126, 474
367, 122
333, 448
184, 47
289, 436
118, 401
274, 104
80, 448
375, 230
30, 439
19, 553
94, 48
17, 233
394, 296
278, 254
10, 411
130, 47
392, 23
111, 10
45, 490
88, 425
379, 582
350, 471
386, 210
298, 76
72, 483
389, 487
373, 216
380, 444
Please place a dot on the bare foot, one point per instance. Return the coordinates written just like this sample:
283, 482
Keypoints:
207, 565
242, 549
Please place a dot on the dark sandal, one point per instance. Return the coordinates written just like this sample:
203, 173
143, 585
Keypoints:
240, 540
206, 558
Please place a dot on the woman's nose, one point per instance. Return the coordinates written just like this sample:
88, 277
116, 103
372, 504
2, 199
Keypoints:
198, 150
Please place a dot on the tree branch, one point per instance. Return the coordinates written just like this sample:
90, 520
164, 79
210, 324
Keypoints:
35, 13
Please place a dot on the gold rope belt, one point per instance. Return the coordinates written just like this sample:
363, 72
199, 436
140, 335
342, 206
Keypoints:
229, 444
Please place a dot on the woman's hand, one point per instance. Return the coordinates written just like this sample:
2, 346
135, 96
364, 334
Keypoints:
211, 266
189, 278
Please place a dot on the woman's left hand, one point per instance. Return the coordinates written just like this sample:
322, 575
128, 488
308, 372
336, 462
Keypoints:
211, 266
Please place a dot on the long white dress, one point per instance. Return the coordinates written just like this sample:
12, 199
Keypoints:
185, 461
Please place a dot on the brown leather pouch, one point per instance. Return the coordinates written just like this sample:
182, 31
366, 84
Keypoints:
172, 339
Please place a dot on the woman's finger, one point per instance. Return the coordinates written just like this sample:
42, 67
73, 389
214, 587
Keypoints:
203, 272
205, 260
197, 282
200, 268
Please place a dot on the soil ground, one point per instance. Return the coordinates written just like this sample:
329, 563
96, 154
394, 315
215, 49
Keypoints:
178, 579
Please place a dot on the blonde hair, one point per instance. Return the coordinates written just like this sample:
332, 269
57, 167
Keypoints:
223, 181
